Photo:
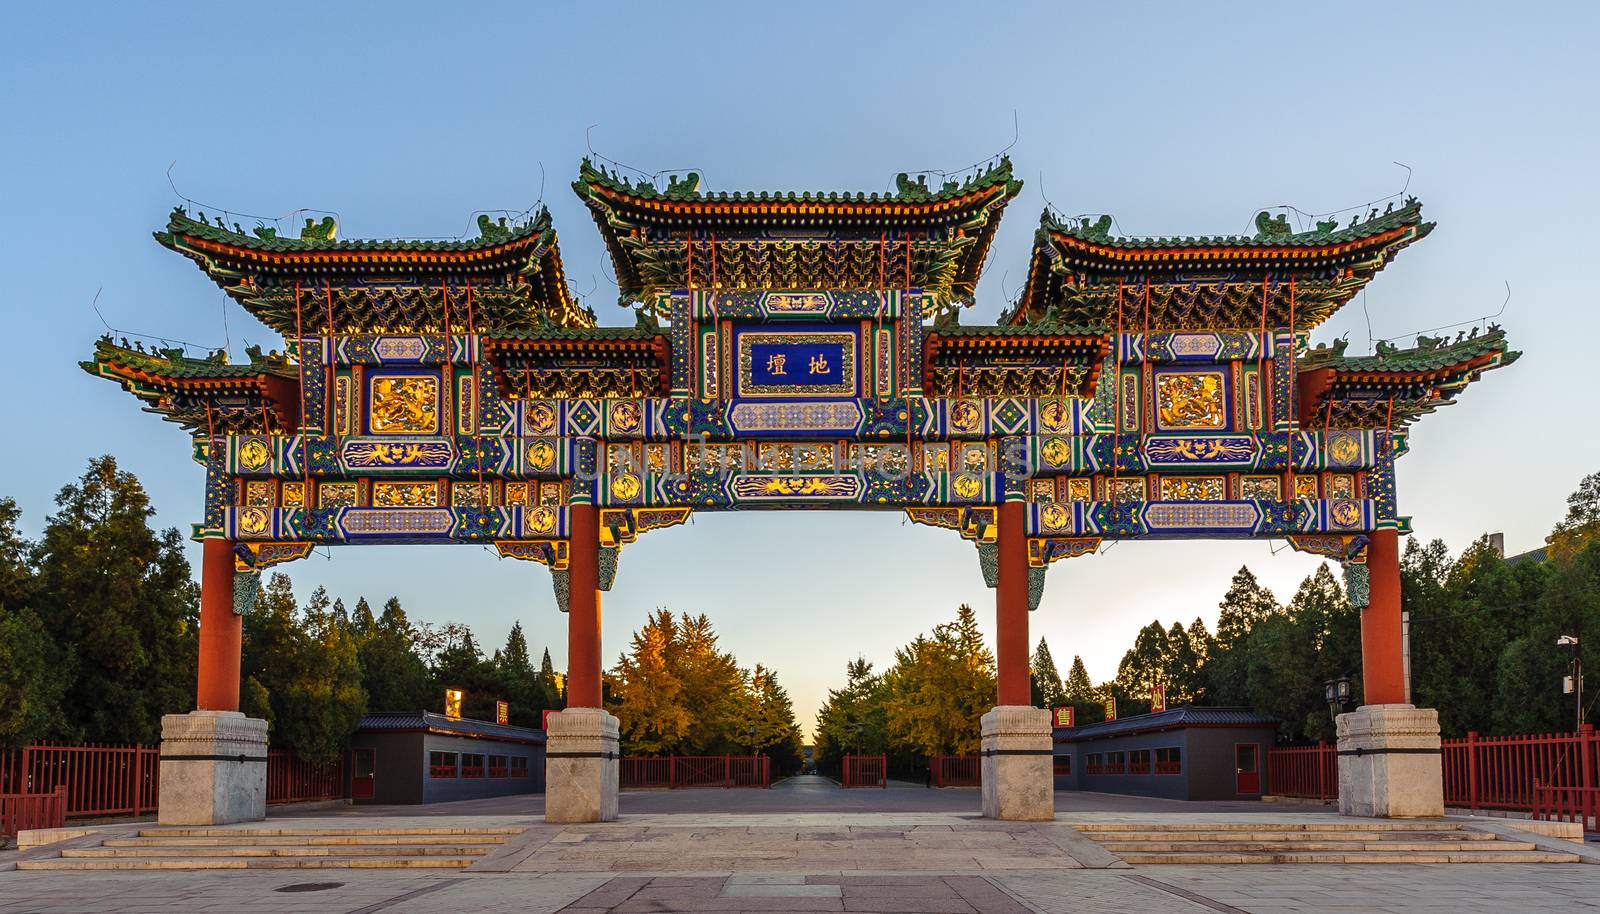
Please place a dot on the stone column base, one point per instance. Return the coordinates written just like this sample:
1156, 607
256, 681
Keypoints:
1389, 762
213, 768
1018, 764
580, 766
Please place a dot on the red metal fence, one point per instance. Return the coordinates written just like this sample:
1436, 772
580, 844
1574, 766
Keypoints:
1543, 773
291, 780
126, 780
22, 811
865, 771
956, 771
675, 772
1303, 771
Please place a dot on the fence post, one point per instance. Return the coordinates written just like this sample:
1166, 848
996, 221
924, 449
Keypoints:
727, 772
1472, 771
138, 779
672, 772
883, 769
1585, 745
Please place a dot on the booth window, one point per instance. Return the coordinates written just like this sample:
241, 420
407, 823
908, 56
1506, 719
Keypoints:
471, 765
441, 764
1139, 761
519, 766
497, 767
1169, 760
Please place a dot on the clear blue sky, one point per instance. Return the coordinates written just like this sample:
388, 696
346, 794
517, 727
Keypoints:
1181, 118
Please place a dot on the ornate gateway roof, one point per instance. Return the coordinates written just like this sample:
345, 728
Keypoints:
1080, 273
205, 396
509, 276
1394, 387
680, 238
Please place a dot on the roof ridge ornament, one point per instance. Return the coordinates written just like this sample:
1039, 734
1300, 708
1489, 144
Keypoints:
319, 231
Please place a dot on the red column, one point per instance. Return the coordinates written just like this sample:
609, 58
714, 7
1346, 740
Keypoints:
583, 608
1011, 608
220, 630
1382, 651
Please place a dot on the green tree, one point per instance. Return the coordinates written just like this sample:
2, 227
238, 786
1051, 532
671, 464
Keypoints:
1143, 667
461, 665
852, 719
653, 715
938, 689
521, 684
118, 596
392, 670
1581, 525
775, 731
1045, 682
1244, 606
33, 679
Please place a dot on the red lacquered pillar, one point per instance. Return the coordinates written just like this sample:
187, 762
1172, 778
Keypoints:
1383, 677
220, 630
1011, 607
583, 608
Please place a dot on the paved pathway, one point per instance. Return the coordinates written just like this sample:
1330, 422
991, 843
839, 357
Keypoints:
808, 846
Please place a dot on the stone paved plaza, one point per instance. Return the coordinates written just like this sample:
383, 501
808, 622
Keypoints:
808, 846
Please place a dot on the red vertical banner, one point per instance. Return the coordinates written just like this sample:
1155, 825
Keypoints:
1158, 698
1065, 716
502, 713
1111, 708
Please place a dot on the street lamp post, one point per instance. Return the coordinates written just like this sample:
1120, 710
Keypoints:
1574, 684
1337, 692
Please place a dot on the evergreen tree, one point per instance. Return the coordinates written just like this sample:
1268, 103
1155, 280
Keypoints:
118, 596
461, 665
1045, 680
392, 671
653, 715
1079, 687
521, 685
363, 621
1245, 605
775, 732
33, 671
852, 719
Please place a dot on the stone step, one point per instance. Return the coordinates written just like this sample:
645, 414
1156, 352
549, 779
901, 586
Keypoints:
1163, 834
226, 831
487, 841
1332, 825
1124, 849
1278, 856
403, 850
246, 863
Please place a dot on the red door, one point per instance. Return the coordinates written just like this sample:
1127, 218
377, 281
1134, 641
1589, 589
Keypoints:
362, 773
1247, 767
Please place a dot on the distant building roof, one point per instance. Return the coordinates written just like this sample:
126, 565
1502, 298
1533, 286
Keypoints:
1534, 555
429, 722
1174, 719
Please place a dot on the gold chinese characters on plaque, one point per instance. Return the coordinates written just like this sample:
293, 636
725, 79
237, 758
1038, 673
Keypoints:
1190, 400
405, 404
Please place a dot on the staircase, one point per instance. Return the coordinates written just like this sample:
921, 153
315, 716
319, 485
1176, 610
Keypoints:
217, 848
1330, 842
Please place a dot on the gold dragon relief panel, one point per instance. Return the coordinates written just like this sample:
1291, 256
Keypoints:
1191, 401
1194, 488
404, 404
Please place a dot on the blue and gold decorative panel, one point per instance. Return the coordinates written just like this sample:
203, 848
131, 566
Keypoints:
811, 361
379, 455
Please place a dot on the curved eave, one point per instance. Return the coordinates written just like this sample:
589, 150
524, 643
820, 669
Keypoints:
757, 210
504, 256
1091, 253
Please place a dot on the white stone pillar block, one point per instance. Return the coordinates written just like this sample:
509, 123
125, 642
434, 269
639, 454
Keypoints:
580, 766
1018, 764
213, 768
1389, 762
